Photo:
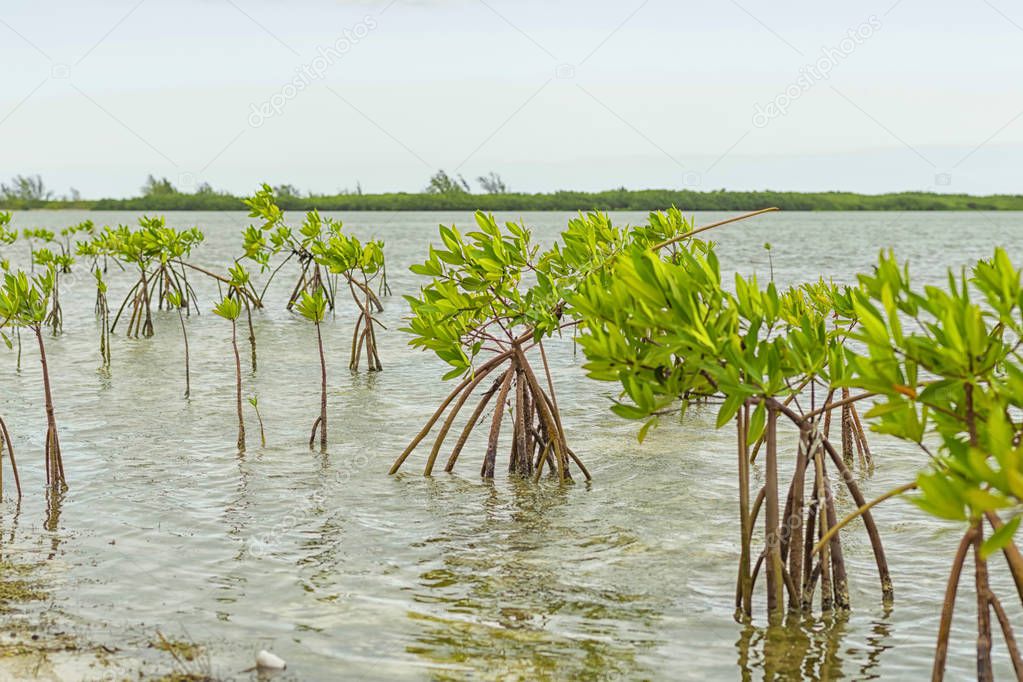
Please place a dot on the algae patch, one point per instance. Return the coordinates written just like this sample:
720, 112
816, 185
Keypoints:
15, 588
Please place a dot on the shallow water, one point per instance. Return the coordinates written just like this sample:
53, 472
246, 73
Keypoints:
337, 567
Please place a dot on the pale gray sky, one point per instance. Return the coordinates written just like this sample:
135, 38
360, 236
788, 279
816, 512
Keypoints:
871, 96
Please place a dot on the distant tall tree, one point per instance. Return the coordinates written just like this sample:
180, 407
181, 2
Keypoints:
26, 188
287, 192
156, 187
492, 183
442, 183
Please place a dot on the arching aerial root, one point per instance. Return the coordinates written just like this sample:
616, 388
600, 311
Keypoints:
139, 300
538, 438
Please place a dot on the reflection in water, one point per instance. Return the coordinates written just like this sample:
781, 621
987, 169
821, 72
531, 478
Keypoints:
237, 512
880, 633
237, 515
54, 503
322, 546
19, 582
504, 608
810, 648
14, 522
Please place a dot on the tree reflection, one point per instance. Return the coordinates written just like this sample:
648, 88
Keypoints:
54, 505
811, 649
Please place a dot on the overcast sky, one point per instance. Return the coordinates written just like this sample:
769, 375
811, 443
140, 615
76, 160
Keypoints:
756, 94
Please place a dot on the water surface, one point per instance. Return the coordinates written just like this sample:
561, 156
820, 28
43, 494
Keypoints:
337, 567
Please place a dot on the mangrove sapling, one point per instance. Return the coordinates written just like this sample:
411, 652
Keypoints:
131, 249
274, 237
816, 302
103, 314
230, 309
357, 262
384, 289
954, 375
493, 293
153, 249
238, 283
752, 352
55, 264
24, 302
67, 244
254, 401
7, 237
69, 234
174, 246
174, 300
314, 308
477, 302
94, 249
364, 338
240, 288
36, 237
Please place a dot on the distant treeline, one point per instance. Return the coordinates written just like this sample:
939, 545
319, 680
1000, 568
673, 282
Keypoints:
445, 193
611, 200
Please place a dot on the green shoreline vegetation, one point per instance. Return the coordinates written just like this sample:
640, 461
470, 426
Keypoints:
447, 193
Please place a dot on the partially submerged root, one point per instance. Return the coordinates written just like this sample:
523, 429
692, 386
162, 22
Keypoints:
364, 338
171, 280
314, 278
140, 321
103, 316
987, 603
538, 438
238, 386
252, 333
311, 280
853, 436
140, 298
54, 462
384, 289
803, 547
55, 318
320, 425
7, 446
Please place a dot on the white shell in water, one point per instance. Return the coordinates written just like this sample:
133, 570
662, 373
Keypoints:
267, 660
